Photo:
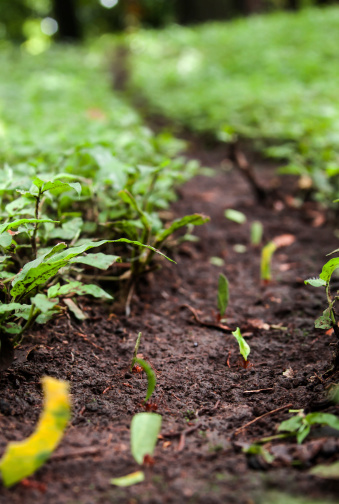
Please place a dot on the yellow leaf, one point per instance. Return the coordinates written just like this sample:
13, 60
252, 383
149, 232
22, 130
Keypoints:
23, 458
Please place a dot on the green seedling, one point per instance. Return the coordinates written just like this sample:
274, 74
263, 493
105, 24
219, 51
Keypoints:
244, 347
329, 318
223, 295
300, 424
235, 216
151, 377
257, 231
266, 260
145, 428
21, 459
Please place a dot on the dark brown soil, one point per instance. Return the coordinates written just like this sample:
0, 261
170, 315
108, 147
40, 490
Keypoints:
200, 379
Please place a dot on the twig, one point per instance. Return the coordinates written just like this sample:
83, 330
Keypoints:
260, 417
185, 433
257, 391
221, 327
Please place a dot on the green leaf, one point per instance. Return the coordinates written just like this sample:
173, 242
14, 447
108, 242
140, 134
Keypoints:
99, 260
293, 424
43, 303
323, 419
20, 222
243, 345
326, 471
145, 428
266, 258
324, 321
223, 294
74, 308
5, 240
151, 377
315, 282
68, 230
129, 480
59, 186
21, 459
4, 308
329, 268
77, 288
235, 216
257, 231
195, 220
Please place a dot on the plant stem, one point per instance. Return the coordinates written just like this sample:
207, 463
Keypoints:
136, 348
33, 239
31, 319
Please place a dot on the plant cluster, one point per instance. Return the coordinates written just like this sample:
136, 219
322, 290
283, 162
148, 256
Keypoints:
80, 171
269, 78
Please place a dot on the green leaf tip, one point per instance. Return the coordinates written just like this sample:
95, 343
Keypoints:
243, 345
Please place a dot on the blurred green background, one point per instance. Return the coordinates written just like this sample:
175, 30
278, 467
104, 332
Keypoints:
23, 20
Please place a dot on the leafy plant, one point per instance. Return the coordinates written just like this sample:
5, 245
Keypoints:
300, 424
223, 294
244, 347
21, 459
329, 318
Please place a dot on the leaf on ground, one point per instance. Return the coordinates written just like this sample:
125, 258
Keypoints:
145, 428
129, 480
151, 377
243, 345
21, 459
74, 308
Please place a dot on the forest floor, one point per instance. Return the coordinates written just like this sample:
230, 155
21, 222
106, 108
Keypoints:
203, 394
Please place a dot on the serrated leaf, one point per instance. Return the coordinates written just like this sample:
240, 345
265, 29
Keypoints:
151, 377
129, 480
101, 261
235, 216
195, 220
329, 268
315, 282
145, 428
243, 345
223, 294
21, 459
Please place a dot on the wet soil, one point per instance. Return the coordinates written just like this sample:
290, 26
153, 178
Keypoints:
202, 387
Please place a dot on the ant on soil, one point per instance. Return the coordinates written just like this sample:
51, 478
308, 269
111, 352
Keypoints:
148, 461
245, 364
136, 369
149, 406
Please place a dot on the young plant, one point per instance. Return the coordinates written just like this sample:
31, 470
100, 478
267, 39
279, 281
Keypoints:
244, 347
145, 428
300, 424
329, 318
266, 259
223, 295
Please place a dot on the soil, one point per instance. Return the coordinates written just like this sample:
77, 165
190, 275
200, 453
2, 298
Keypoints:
202, 387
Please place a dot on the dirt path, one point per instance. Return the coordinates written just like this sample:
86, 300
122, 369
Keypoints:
200, 382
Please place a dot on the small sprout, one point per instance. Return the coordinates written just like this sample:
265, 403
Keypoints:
266, 259
257, 231
136, 348
145, 428
243, 345
235, 216
300, 424
223, 294
151, 377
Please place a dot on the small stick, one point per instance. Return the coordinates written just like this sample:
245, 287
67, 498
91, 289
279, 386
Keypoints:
260, 417
221, 327
257, 391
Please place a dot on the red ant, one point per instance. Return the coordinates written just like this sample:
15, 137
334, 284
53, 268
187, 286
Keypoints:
34, 484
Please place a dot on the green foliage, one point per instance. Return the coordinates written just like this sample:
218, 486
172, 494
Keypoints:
145, 428
223, 294
235, 215
266, 259
129, 480
151, 377
273, 78
257, 232
244, 347
300, 424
